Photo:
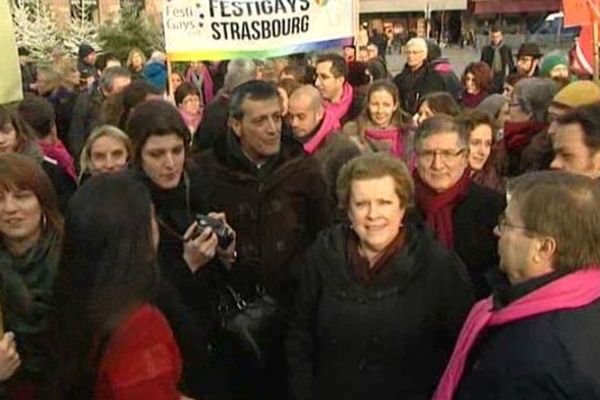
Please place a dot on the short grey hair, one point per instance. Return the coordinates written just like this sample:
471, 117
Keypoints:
419, 43
534, 96
239, 70
441, 123
110, 74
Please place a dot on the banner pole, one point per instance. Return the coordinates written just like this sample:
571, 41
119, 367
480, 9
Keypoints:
169, 73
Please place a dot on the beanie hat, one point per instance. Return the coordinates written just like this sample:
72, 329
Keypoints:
552, 60
577, 94
85, 50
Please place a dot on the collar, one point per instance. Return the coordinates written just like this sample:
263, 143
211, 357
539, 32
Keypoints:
506, 295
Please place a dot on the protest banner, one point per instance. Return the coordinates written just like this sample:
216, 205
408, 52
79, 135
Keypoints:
10, 78
226, 29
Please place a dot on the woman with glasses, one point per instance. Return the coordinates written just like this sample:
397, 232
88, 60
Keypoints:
379, 299
461, 213
189, 102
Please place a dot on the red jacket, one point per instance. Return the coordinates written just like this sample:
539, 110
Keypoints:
141, 361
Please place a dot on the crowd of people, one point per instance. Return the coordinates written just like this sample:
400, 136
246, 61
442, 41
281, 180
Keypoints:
305, 227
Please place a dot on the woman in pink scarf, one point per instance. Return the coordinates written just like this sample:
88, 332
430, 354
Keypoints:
382, 124
189, 103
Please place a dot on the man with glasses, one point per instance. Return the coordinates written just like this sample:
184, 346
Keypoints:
461, 213
417, 78
537, 338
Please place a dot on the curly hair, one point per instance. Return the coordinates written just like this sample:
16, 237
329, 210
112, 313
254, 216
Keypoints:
482, 75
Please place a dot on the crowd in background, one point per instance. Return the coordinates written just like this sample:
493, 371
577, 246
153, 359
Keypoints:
303, 227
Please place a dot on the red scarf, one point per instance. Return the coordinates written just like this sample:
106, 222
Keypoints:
572, 291
58, 152
391, 139
519, 134
341, 108
438, 207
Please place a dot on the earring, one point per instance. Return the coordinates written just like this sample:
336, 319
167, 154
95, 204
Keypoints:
44, 222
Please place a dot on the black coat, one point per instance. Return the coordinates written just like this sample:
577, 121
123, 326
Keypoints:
414, 85
389, 340
213, 124
86, 116
550, 356
474, 219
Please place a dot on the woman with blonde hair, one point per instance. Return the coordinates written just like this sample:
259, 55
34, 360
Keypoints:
136, 61
107, 149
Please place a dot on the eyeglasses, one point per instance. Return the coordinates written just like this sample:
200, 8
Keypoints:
427, 156
503, 224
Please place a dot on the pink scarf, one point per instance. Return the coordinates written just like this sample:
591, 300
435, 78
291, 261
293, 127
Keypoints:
58, 152
330, 124
391, 139
341, 108
575, 290
191, 120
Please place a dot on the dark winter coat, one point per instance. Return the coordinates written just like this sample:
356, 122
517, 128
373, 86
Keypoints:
414, 85
276, 211
214, 123
63, 184
86, 116
386, 341
550, 356
474, 219
508, 62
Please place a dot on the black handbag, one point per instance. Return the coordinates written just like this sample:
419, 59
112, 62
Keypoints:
250, 322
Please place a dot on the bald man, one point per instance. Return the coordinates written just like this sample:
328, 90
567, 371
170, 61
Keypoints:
319, 132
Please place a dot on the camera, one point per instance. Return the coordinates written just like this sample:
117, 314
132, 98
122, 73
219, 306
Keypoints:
224, 234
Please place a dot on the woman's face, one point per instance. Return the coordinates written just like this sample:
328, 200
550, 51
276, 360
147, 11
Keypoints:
507, 90
191, 104
163, 158
20, 216
108, 154
424, 112
8, 138
441, 161
137, 61
375, 212
381, 108
175, 81
470, 84
516, 112
480, 146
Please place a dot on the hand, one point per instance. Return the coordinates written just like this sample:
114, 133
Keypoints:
9, 358
229, 253
198, 251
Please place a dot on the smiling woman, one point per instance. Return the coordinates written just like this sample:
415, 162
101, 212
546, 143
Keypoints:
30, 234
363, 328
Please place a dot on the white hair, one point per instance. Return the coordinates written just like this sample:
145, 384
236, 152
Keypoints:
419, 43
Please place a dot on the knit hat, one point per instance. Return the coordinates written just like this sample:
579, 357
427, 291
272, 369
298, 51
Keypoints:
85, 50
552, 60
529, 49
577, 94
492, 104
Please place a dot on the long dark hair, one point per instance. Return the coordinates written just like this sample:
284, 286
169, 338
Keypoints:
108, 269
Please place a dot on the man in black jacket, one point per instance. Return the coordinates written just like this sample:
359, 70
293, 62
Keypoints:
498, 55
417, 78
537, 338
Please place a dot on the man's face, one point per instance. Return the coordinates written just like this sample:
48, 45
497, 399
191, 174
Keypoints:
303, 117
553, 114
331, 88
515, 246
259, 130
372, 51
496, 38
415, 56
571, 153
526, 65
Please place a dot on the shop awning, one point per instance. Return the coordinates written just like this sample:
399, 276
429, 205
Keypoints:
515, 6
384, 6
